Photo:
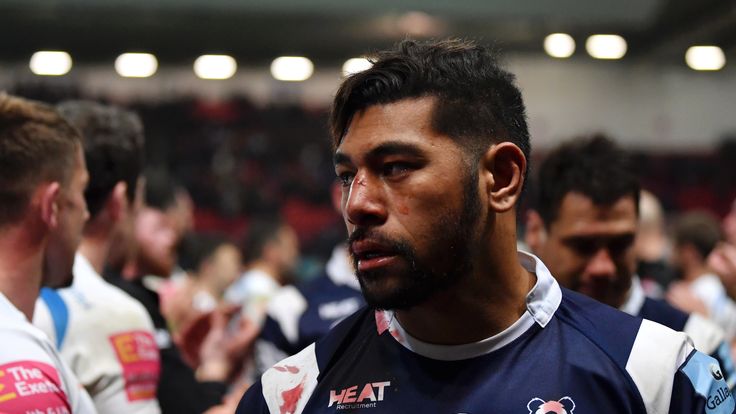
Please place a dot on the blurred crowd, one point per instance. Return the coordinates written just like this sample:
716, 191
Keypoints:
237, 238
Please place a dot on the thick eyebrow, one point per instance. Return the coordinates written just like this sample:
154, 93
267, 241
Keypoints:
340, 158
383, 150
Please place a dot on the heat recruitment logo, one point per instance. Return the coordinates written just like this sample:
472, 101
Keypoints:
359, 396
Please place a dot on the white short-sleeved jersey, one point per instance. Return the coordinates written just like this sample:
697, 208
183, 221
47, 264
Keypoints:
33, 378
722, 309
107, 339
253, 290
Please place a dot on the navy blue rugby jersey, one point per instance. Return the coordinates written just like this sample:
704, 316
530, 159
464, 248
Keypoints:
707, 336
300, 315
566, 354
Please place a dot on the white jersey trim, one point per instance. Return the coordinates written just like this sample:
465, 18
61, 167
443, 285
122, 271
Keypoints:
294, 378
636, 298
657, 349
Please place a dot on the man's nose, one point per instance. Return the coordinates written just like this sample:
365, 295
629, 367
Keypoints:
601, 265
364, 204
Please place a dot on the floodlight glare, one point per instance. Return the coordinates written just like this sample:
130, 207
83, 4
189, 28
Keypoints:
705, 58
355, 65
51, 63
607, 46
136, 65
559, 45
215, 66
292, 68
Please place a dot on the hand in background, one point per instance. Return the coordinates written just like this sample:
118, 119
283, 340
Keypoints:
722, 260
222, 350
682, 297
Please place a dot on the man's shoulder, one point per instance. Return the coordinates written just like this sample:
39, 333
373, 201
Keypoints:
27, 364
606, 328
328, 347
22, 339
288, 385
104, 296
706, 335
642, 348
631, 342
93, 309
320, 301
660, 311
329, 300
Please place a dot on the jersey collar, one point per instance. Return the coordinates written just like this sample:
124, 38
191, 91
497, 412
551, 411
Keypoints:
635, 300
542, 302
7, 309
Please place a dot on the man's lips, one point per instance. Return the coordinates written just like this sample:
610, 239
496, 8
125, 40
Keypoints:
371, 255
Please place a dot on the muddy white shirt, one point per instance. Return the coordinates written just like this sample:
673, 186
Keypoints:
106, 337
33, 378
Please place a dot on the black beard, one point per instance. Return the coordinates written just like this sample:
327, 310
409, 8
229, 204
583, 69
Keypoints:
452, 245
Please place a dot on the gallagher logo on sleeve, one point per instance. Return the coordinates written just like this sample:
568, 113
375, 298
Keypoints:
138, 355
31, 387
363, 396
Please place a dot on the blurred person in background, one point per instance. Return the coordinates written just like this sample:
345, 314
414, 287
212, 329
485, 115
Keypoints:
106, 336
156, 233
211, 264
42, 213
180, 389
723, 258
584, 226
300, 315
652, 246
708, 295
270, 253
181, 216
695, 236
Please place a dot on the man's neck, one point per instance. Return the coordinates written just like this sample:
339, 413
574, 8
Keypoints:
95, 251
21, 269
692, 272
477, 307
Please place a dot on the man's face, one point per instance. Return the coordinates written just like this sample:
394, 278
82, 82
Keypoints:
729, 224
124, 246
64, 239
156, 237
410, 202
287, 244
589, 248
227, 265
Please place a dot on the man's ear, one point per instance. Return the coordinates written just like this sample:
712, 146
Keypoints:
503, 167
535, 234
117, 202
49, 203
